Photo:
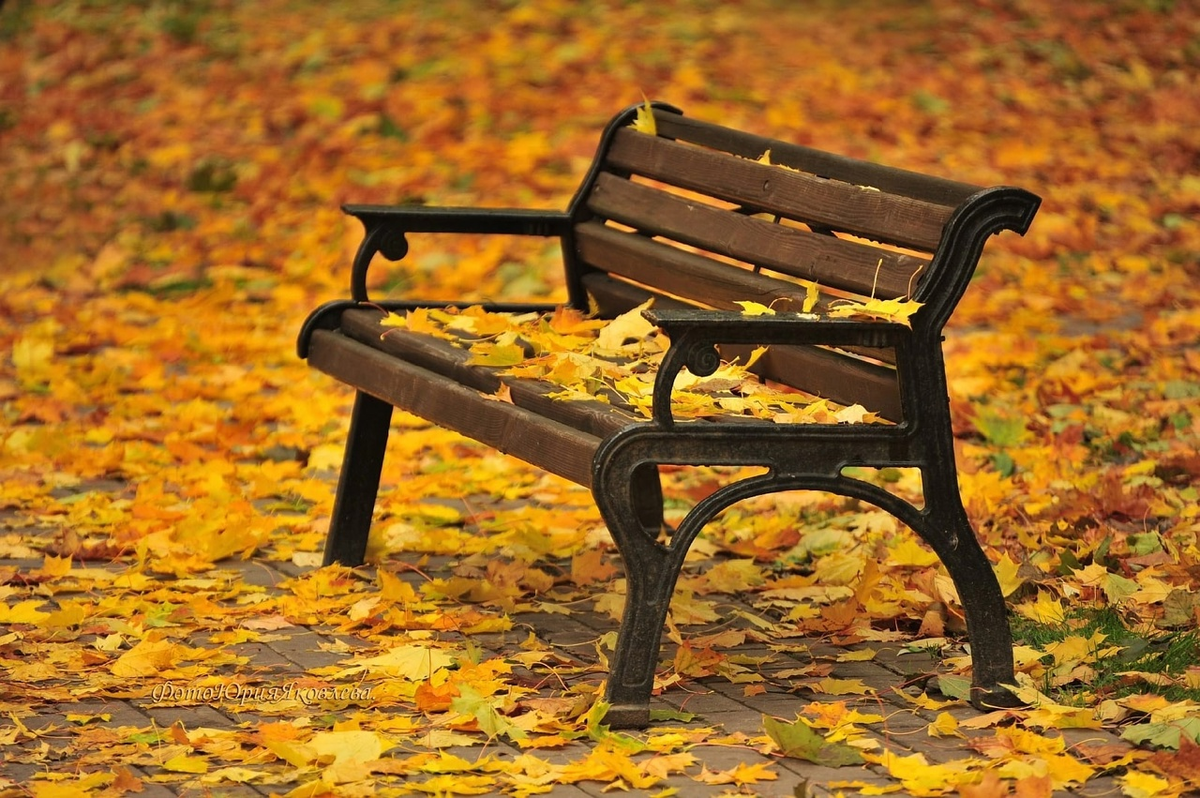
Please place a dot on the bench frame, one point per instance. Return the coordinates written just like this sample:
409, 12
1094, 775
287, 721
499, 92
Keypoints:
623, 474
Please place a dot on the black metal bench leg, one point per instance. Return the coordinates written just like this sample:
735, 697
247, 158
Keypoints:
651, 570
983, 602
354, 504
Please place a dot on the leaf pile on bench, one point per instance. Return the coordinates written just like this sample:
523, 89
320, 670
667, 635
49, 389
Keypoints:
614, 361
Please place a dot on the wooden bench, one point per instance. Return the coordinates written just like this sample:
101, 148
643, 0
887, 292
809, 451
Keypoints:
691, 213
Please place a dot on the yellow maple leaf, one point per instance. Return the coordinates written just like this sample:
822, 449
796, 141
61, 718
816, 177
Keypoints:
607, 763
351, 745
908, 552
186, 764
393, 319
569, 321
77, 788
487, 353
23, 612
1046, 610
83, 719
921, 778
1137, 784
741, 774
412, 662
147, 658
1007, 574
630, 326
944, 725
731, 576
644, 123
33, 358
811, 296
755, 309
894, 310
832, 686
56, 566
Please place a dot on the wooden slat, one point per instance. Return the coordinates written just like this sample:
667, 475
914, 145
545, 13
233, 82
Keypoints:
831, 375
841, 377
514, 430
610, 297
666, 269
903, 182
856, 209
621, 298
441, 357
832, 262
674, 271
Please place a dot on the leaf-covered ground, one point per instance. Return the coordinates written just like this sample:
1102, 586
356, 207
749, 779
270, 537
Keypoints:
170, 176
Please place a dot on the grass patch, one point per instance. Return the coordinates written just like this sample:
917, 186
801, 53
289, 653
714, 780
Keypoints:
1146, 659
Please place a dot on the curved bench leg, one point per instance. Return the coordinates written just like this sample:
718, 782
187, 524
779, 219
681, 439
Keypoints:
651, 570
951, 535
358, 484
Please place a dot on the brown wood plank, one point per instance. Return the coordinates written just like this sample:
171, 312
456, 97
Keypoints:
666, 269
441, 357
856, 209
610, 297
832, 262
508, 428
830, 375
904, 182
835, 375
675, 271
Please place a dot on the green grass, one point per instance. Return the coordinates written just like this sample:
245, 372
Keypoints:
1141, 648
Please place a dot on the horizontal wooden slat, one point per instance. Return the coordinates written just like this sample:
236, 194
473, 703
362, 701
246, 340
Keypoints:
675, 271
903, 182
707, 283
856, 209
840, 377
442, 357
505, 427
831, 375
832, 262
610, 297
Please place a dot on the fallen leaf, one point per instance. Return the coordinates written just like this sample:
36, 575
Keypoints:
799, 741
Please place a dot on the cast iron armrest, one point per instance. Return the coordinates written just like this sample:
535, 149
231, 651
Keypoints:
694, 335
386, 226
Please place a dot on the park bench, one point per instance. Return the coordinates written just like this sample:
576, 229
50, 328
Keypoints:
693, 214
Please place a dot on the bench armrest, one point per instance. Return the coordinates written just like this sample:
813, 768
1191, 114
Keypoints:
386, 226
695, 333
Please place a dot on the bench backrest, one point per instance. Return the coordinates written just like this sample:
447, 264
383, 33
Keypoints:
706, 215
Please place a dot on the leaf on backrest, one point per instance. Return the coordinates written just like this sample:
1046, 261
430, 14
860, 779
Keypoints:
645, 120
811, 295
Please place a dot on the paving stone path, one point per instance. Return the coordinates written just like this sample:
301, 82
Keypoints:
715, 701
